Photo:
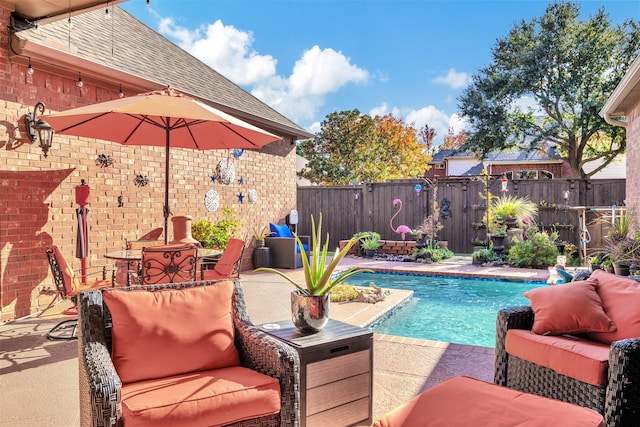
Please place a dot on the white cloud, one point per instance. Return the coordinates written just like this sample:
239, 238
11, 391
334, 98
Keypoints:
299, 96
453, 79
224, 48
527, 103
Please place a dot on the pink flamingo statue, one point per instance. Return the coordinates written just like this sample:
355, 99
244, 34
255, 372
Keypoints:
402, 229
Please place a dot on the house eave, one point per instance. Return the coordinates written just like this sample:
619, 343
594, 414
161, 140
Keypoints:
624, 97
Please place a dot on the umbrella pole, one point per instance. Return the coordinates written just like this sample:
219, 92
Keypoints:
166, 189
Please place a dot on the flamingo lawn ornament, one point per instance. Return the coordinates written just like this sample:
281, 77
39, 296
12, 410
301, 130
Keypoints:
402, 229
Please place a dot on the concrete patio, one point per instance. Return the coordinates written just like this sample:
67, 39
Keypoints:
39, 378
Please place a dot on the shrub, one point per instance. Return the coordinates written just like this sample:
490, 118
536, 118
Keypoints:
538, 251
216, 235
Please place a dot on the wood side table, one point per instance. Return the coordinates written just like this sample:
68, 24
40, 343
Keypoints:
336, 372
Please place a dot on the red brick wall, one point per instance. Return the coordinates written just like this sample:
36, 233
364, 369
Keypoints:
37, 203
633, 160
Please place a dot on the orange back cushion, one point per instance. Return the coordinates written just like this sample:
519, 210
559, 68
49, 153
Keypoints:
68, 275
158, 334
620, 299
229, 257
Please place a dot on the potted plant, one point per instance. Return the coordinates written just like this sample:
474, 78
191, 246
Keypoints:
370, 245
202, 231
310, 302
594, 262
512, 210
483, 255
260, 234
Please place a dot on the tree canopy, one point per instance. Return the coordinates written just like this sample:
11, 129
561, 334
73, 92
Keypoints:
568, 68
354, 147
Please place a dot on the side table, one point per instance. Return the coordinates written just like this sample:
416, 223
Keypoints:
261, 257
336, 372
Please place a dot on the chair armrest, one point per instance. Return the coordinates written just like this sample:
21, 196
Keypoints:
100, 385
264, 353
623, 386
508, 318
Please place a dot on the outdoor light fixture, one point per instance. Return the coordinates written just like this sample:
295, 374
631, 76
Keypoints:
79, 83
30, 68
44, 130
121, 93
503, 183
566, 194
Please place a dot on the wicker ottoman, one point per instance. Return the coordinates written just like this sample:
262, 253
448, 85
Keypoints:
463, 401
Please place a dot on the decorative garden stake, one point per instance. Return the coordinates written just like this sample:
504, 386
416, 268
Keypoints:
402, 229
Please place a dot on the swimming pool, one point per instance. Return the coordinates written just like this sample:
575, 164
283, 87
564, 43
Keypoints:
445, 308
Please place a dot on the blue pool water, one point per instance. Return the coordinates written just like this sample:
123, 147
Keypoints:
451, 309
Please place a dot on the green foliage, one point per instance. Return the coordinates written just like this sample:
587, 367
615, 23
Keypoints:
512, 206
354, 147
488, 254
432, 251
370, 243
216, 235
261, 233
318, 271
569, 68
538, 251
343, 293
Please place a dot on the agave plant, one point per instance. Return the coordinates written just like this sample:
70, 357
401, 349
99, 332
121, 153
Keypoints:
318, 272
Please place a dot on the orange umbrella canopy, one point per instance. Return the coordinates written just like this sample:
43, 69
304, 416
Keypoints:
161, 118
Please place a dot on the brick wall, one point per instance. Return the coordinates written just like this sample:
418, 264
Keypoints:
37, 203
633, 160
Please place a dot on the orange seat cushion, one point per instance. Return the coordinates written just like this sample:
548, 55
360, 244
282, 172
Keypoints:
568, 309
208, 398
621, 299
584, 360
467, 402
159, 334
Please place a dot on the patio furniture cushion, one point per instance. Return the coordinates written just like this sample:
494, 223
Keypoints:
467, 402
584, 360
144, 322
279, 230
568, 308
620, 299
207, 398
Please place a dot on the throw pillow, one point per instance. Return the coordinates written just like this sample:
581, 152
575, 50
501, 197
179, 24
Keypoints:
568, 309
158, 334
620, 299
280, 230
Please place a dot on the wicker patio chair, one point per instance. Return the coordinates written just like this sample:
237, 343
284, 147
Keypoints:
618, 401
101, 386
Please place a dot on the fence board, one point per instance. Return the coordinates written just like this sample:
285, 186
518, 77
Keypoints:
369, 207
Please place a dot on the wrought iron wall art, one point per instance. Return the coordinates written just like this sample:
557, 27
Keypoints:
226, 171
241, 181
104, 161
211, 200
252, 196
445, 208
213, 178
120, 201
240, 197
141, 180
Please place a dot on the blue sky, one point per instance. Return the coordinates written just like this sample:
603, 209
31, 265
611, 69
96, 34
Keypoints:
309, 58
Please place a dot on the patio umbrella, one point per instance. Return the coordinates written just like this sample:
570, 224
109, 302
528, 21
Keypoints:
161, 118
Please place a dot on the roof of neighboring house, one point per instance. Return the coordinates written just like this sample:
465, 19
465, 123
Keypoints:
124, 44
507, 156
475, 170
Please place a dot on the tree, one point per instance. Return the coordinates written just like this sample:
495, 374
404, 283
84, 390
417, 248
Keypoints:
354, 147
569, 68
453, 141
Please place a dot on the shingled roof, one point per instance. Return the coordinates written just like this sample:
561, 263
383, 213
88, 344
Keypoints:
125, 44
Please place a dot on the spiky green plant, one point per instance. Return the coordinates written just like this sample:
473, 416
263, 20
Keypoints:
318, 272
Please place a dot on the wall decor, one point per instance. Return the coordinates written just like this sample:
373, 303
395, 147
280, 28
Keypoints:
120, 201
241, 181
141, 180
104, 161
253, 196
211, 200
240, 197
213, 178
237, 152
226, 171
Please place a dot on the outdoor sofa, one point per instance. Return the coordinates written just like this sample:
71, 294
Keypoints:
578, 342
182, 355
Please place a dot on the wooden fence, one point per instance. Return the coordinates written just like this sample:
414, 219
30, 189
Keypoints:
369, 207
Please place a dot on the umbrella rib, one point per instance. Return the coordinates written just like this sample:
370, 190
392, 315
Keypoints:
241, 136
83, 122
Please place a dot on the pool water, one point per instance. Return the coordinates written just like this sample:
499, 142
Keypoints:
444, 308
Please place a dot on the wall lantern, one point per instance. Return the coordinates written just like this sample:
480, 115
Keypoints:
44, 130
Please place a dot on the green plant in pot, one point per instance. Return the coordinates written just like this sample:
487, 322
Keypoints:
260, 234
370, 245
310, 301
513, 210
